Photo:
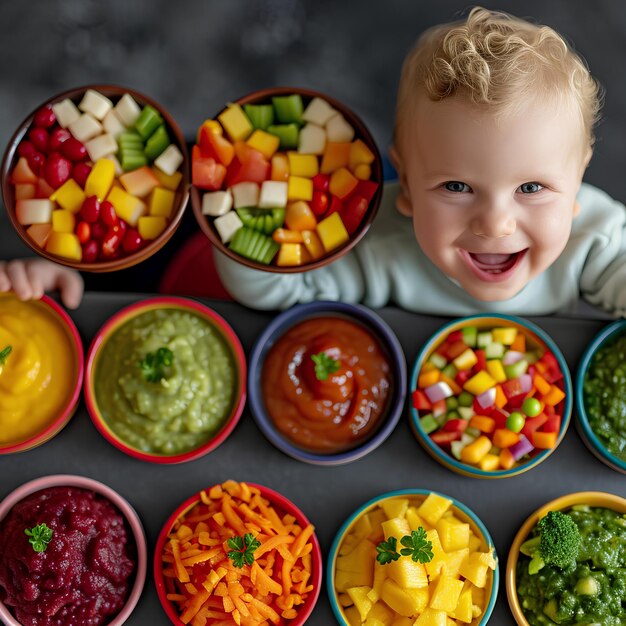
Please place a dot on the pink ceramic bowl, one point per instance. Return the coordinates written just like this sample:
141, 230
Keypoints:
46, 311
282, 506
126, 315
130, 515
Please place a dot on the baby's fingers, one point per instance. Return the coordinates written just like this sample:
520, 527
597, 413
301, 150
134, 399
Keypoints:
5, 283
16, 273
71, 287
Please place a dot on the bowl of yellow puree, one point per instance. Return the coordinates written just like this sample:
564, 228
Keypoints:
41, 371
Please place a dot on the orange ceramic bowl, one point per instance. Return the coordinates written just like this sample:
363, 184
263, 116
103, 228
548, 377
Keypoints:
9, 192
165, 585
113, 420
42, 375
590, 498
264, 96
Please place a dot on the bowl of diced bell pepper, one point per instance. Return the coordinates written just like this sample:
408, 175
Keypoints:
491, 396
96, 178
285, 180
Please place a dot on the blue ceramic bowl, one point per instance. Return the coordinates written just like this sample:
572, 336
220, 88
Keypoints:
354, 313
485, 321
608, 335
460, 511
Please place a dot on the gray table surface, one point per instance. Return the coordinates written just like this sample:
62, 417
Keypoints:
326, 495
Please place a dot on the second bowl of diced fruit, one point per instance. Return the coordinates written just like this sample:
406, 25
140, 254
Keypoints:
285, 180
96, 178
492, 396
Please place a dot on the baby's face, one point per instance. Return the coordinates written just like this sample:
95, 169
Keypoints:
492, 199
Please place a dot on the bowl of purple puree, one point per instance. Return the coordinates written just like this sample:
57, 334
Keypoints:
72, 551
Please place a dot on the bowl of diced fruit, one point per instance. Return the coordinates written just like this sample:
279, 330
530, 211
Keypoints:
96, 178
491, 396
285, 180
412, 557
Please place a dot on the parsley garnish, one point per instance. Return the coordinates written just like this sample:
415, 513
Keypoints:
324, 365
416, 546
154, 363
242, 549
4, 354
40, 537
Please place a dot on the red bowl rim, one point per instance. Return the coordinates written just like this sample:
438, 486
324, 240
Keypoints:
130, 259
275, 498
374, 204
124, 315
57, 424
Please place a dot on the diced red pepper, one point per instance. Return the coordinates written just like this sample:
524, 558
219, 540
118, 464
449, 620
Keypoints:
550, 360
512, 387
255, 171
353, 212
463, 376
498, 417
366, 189
553, 424
321, 182
553, 375
532, 424
456, 425
445, 438
421, 401
548, 409
215, 146
442, 349
515, 402
481, 363
455, 349
455, 335
206, 172
336, 206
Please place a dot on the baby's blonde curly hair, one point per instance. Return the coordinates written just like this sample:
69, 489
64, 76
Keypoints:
498, 60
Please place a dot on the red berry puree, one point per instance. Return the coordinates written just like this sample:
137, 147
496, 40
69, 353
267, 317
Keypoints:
83, 576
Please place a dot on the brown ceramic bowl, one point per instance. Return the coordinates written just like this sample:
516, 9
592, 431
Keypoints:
114, 92
263, 96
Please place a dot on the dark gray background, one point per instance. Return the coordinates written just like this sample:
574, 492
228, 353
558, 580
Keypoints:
194, 55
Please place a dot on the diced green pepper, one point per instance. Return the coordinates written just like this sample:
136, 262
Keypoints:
428, 424
470, 334
287, 133
158, 141
148, 121
288, 108
260, 115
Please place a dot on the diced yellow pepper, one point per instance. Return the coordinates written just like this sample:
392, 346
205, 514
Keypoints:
151, 227
489, 462
359, 154
299, 188
289, 254
299, 216
235, 122
342, 183
305, 165
496, 370
128, 207
363, 171
100, 179
332, 232
313, 244
69, 196
63, 221
280, 167
475, 451
466, 360
265, 143
504, 335
65, 245
167, 181
162, 202
336, 154
479, 383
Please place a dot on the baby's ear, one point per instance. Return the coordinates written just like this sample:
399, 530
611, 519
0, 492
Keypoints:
403, 201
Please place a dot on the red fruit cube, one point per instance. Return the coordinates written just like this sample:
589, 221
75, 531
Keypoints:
512, 388
553, 424
56, 170
90, 251
39, 138
57, 137
421, 401
44, 117
321, 182
132, 240
444, 438
366, 189
336, 206
80, 173
455, 335
455, 425
353, 213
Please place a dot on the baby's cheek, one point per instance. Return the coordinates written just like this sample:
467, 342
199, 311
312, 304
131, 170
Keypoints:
549, 234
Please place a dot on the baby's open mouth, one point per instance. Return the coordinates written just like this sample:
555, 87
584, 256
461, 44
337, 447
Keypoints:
495, 263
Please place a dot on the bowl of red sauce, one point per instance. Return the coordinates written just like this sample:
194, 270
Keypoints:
327, 382
72, 551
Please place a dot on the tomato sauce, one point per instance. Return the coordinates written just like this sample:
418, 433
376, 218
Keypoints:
329, 415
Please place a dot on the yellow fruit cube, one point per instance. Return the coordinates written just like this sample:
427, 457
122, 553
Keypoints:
407, 573
463, 609
359, 154
466, 360
474, 570
235, 122
63, 221
496, 370
446, 594
380, 574
353, 617
360, 599
313, 244
361, 559
452, 561
504, 335
435, 565
363, 527
162, 202
373, 621
139, 182
475, 451
280, 167
431, 617
336, 155
402, 621
265, 143
69, 196
299, 188
150, 227
395, 507
474, 543
65, 245
299, 216
100, 179
289, 254
489, 463
433, 508
342, 183
405, 602
305, 165
479, 383
166, 180
362, 171
377, 517
332, 232
414, 520
396, 527
453, 536
128, 207
346, 580
379, 613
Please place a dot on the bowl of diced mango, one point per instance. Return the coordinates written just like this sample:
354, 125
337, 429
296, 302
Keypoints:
285, 179
412, 557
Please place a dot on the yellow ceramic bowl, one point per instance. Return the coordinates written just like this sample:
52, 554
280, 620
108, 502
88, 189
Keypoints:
591, 498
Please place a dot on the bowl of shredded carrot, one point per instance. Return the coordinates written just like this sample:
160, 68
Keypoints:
238, 554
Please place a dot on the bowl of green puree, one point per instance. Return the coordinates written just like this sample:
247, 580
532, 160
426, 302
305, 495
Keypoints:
165, 380
567, 563
601, 396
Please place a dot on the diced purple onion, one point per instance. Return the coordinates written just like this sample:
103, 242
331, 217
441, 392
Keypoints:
487, 398
438, 391
521, 448
526, 382
512, 356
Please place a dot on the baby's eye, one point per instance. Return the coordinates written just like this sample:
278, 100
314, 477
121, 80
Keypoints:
456, 186
530, 187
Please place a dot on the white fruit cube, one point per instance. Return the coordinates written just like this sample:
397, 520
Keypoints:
312, 139
273, 194
318, 112
227, 225
112, 124
337, 129
85, 128
66, 112
127, 109
118, 167
95, 103
217, 203
34, 211
169, 160
245, 194
101, 146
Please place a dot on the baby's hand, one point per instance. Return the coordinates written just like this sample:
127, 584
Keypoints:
30, 278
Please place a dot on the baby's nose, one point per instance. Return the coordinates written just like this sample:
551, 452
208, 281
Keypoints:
493, 222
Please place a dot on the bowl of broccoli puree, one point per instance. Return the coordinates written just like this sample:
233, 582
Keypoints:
567, 564
601, 396
165, 380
